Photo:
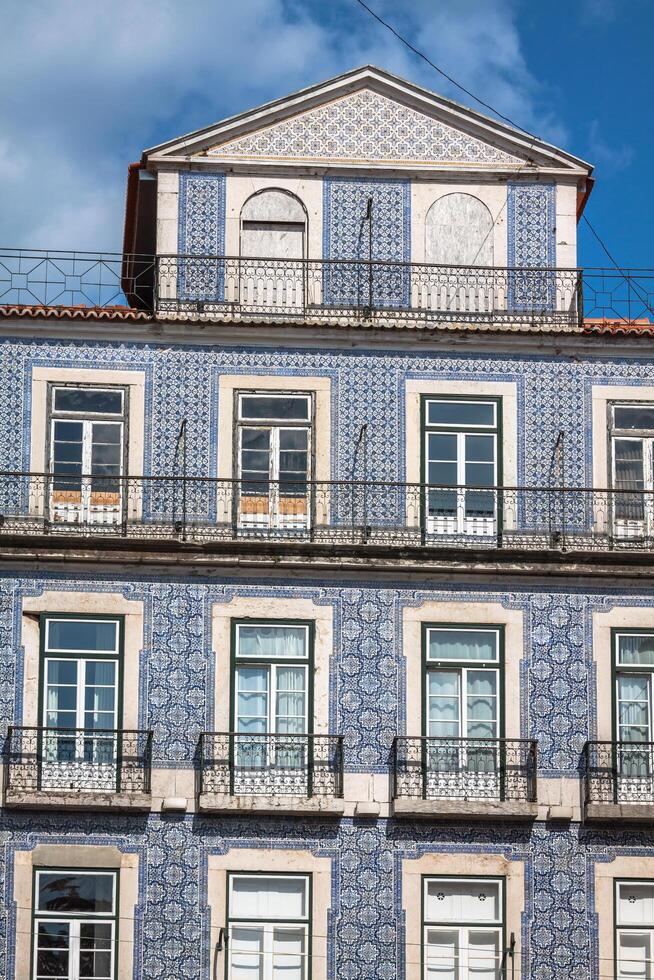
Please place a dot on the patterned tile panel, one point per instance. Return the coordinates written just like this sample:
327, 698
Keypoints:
346, 235
201, 232
365, 126
531, 222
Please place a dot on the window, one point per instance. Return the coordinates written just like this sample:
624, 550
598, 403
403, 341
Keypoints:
634, 666
80, 686
460, 446
463, 670
268, 927
463, 935
271, 707
634, 929
274, 459
75, 924
87, 452
631, 428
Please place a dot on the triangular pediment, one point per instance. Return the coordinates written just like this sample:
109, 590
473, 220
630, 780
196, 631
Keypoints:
364, 126
367, 117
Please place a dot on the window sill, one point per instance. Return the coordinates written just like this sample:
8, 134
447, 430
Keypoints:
464, 809
636, 812
77, 800
324, 806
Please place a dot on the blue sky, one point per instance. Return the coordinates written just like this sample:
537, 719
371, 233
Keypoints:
86, 84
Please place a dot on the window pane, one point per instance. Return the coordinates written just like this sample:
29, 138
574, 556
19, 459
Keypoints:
636, 648
66, 891
441, 448
463, 900
90, 401
288, 954
483, 955
480, 449
635, 903
461, 413
444, 644
82, 634
270, 407
268, 898
442, 954
634, 956
95, 950
628, 454
272, 641
633, 416
246, 953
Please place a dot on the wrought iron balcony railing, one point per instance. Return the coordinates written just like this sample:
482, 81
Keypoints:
233, 764
618, 772
333, 289
466, 769
82, 760
207, 510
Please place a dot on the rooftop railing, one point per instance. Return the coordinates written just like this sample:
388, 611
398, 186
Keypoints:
469, 769
325, 289
80, 760
237, 764
205, 510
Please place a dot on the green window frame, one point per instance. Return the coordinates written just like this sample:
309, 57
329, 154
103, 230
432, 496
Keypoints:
48, 653
266, 926
74, 936
464, 664
269, 661
460, 929
456, 453
632, 703
632, 933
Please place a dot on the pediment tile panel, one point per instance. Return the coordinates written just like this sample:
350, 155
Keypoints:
365, 126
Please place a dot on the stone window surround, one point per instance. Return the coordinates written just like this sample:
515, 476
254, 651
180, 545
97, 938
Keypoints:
606, 873
461, 613
266, 608
319, 387
75, 856
601, 396
85, 604
621, 617
505, 390
470, 865
272, 861
134, 381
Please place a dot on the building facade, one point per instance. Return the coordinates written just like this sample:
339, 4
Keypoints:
327, 609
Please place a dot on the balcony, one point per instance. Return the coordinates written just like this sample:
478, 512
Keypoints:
271, 773
314, 517
343, 291
78, 768
618, 779
448, 778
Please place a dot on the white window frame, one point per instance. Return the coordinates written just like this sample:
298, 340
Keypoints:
633, 526
273, 513
461, 523
620, 929
269, 925
463, 929
100, 776
87, 511
75, 920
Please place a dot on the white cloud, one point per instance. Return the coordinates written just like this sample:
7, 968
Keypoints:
88, 83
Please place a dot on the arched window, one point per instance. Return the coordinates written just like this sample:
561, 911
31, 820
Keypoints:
459, 231
273, 226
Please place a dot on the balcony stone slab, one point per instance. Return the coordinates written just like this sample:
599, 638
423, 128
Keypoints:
464, 809
634, 812
77, 800
286, 805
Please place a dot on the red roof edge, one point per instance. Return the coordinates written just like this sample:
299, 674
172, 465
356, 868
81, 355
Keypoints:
582, 196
